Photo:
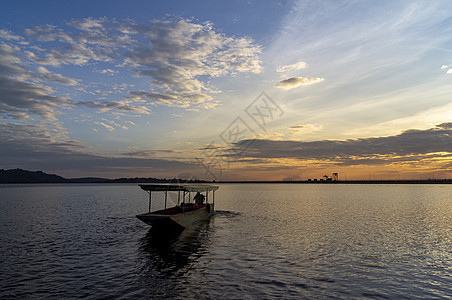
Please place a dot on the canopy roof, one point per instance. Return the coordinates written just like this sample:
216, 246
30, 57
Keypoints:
179, 187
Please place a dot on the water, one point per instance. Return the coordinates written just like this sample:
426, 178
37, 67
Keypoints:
266, 241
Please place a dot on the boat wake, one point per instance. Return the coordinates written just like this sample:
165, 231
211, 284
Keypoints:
227, 213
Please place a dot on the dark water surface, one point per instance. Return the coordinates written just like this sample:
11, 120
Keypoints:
266, 241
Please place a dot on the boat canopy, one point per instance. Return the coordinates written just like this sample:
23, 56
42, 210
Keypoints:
179, 187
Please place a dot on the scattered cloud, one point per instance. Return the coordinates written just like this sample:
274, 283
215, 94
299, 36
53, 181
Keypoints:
171, 98
108, 127
121, 87
448, 67
305, 129
182, 52
293, 67
112, 125
176, 56
56, 78
21, 97
123, 105
11, 65
298, 81
108, 72
9, 36
149, 153
269, 135
48, 33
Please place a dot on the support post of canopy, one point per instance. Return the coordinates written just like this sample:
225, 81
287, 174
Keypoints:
178, 197
213, 197
207, 196
150, 200
166, 196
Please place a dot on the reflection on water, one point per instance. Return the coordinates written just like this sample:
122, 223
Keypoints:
166, 260
170, 253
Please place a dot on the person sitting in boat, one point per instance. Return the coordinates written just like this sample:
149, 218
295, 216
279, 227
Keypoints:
199, 198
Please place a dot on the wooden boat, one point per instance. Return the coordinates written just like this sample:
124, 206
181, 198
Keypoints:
185, 213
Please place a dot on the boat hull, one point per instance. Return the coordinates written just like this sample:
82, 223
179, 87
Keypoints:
176, 222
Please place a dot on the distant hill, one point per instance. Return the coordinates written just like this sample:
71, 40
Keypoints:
24, 176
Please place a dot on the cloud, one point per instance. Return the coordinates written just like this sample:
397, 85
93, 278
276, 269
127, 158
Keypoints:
11, 65
171, 98
182, 52
149, 153
293, 67
122, 105
304, 129
108, 127
448, 67
9, 36
20, 97
77, 54
411, 143
101, 32
298, 81
447, 125
35, 147
173, 53
20, 138
176, 56
56, 78
48, 33
108, 72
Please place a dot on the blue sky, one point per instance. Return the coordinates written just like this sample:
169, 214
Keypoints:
174, 88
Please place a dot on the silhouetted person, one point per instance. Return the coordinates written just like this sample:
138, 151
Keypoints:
199, 198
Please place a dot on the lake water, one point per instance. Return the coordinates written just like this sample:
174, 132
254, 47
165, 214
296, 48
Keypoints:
266, 241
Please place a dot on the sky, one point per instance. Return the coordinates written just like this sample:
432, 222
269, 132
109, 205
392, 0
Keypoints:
227, 90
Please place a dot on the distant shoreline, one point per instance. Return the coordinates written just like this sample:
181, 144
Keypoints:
19, 176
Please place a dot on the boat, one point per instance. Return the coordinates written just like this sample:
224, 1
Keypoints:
186, 212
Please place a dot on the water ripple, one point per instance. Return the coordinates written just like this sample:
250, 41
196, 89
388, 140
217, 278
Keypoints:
376, 242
